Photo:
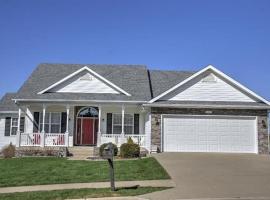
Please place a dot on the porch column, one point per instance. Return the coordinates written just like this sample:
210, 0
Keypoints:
99, 126
67, 133
123, 125
18, 136
42, 138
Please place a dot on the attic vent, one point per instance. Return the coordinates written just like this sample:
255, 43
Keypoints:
209, 79
86, 77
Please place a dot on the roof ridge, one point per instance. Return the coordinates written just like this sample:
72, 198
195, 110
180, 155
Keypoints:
93, 64
180, 71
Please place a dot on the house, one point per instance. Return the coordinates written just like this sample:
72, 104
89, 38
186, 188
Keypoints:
171, 111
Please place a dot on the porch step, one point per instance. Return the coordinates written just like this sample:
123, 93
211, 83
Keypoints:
80, 153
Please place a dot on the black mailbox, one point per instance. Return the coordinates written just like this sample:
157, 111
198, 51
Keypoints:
108, 154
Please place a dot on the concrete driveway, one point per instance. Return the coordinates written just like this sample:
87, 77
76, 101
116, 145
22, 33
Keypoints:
215, 175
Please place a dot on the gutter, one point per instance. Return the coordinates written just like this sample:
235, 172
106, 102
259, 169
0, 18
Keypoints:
205, 106
74, 101
8, 112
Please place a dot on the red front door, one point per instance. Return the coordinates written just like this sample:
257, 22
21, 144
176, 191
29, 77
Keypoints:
86, 131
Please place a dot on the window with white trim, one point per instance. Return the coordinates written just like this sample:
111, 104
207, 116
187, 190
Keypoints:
117, 123
52, 122
14, 126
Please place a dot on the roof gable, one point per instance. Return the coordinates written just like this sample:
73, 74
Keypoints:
84, 80
218, 73
77, 83
208, 87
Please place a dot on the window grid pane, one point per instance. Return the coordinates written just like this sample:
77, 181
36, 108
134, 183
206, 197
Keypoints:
14, 122
128, 120
13, 131
117, 119
55, 118
117, 129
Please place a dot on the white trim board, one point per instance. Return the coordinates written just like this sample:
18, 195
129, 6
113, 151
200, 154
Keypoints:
215, 70
92, 72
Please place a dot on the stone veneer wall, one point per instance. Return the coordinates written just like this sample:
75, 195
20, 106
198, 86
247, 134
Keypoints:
261, 114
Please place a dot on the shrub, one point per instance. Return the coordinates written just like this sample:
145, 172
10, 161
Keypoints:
101, 149
130, 141
8, 151
130, 150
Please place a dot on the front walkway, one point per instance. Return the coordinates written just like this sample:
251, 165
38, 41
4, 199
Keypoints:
150, 183
215, 175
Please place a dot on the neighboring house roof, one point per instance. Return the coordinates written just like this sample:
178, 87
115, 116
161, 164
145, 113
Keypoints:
131, 78
6, 103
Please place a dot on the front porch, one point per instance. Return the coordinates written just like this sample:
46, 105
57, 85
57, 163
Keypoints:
58, 125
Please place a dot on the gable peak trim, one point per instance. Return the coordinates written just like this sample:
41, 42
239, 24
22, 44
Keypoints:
92, 72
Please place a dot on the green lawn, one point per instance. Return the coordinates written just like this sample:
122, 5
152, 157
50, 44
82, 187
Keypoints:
78, 193
38, 171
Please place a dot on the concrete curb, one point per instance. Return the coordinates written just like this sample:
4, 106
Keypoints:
147, 183
113, 198
233, 198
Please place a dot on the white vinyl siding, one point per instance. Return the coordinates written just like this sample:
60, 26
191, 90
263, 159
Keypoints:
205, 90
117, 123
209, 134
84, 83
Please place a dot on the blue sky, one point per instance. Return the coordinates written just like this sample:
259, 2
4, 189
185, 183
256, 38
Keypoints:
233, 35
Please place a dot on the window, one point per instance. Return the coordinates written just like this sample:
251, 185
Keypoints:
88, 112
52, 122
11, 126
14, 126
128, 124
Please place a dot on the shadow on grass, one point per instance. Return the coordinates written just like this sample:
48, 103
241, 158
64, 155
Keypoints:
128, 188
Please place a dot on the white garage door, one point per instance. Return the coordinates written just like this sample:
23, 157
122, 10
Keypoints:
209, 134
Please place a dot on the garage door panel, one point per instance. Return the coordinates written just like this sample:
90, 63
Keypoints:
209, 134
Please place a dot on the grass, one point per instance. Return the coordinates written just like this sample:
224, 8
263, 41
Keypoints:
78, 193
40, 171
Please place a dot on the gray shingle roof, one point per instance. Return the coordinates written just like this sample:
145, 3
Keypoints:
6, 103
131, 78
164, 80
134, 79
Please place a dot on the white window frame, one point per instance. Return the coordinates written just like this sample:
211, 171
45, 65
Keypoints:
132, 115
11, 126
50, 121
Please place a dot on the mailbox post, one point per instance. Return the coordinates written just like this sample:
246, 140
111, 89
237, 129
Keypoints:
108, 154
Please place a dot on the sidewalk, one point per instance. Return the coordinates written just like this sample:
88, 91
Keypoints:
150, 183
